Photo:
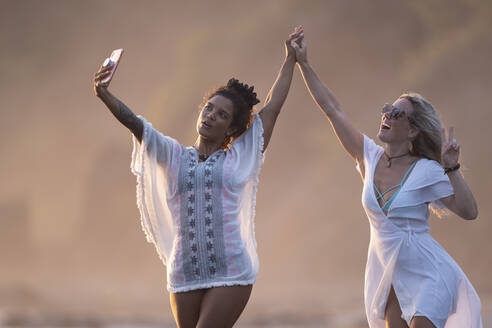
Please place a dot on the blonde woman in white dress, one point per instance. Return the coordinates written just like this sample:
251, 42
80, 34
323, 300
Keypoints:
410, 280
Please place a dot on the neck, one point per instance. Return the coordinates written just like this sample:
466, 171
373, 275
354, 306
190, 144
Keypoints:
396, 149
206, 146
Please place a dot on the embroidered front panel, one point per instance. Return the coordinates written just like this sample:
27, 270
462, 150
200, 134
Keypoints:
201, 219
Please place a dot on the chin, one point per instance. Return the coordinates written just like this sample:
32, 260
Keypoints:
202, 133
383, 136
206, 134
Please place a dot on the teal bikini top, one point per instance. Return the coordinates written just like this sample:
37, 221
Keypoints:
387, 203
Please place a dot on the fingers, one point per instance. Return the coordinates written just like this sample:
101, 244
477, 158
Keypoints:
452, 142
103, 69
303, 43
449, 143
451, 134
294, 45
99, 84
101, 75
298, 44
298, 31
293, 36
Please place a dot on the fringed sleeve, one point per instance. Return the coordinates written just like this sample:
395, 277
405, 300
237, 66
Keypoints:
155, 164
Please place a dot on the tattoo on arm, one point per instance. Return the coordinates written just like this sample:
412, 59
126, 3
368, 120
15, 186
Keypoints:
129, 119
124, 114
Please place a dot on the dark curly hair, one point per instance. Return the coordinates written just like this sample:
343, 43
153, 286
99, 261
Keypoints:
243, 99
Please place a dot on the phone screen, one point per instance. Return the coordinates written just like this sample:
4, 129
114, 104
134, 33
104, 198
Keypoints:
115, 55
114, 59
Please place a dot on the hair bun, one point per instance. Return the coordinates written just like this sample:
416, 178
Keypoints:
247, 93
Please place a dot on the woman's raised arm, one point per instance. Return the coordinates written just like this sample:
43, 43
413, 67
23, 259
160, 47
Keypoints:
350, 138
278, 92
118, 108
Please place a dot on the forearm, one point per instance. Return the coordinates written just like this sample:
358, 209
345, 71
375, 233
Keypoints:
122, 113
276, 98
350, 138
323, 96
278, 93
465, 203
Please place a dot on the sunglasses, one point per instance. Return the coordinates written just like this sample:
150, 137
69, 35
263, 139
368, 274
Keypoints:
392, 112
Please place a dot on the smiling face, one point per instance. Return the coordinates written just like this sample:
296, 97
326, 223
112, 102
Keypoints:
214, 121
397, 128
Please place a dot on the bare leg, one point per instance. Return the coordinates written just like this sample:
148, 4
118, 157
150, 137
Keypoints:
421, 322
392, 314
222, 306
186, 307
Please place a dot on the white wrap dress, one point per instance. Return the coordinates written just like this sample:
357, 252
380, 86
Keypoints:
402, 254
200, 215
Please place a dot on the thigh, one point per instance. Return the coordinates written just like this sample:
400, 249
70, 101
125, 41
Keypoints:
222, 306
421, 322
392, 314
186, 307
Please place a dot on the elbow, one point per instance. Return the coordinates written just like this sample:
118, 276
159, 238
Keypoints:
470, 215
274, 107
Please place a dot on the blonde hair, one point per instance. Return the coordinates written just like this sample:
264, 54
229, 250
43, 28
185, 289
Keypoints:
428, 142
424, 118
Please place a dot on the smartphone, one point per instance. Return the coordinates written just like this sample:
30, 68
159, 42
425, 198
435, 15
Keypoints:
113, 60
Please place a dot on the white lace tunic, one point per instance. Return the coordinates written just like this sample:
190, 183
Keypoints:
426, 280
200, 215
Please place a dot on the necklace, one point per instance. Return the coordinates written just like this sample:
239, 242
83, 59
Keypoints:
389, 158
202, 157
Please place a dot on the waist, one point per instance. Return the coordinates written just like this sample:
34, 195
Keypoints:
410, 225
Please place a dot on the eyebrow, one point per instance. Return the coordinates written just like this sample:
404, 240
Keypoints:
220, 108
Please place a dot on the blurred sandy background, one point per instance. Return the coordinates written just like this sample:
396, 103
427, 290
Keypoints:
71, 249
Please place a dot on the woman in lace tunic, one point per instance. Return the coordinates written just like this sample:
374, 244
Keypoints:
410, 280
197, 203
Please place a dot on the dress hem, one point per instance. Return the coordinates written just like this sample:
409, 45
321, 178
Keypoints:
211, 285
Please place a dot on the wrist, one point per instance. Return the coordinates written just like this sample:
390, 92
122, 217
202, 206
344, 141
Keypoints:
303, 62
451, 168
101, 91
290, 58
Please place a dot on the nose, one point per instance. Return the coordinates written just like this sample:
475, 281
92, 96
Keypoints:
387, 115
211, 115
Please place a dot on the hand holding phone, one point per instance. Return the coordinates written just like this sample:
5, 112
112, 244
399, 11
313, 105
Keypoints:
112, 61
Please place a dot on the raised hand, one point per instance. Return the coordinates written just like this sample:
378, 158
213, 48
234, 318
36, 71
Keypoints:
297, 35
299, 46
450, 150
102, 73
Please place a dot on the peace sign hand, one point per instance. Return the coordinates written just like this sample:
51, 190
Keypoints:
450, 150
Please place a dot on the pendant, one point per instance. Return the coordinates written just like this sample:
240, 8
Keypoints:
388, 163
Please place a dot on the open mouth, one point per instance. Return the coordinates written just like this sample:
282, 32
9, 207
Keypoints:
205, 124
385, 126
